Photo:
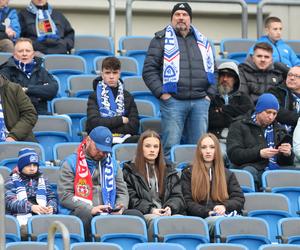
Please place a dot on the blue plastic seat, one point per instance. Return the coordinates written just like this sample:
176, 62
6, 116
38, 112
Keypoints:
279, 247
146, 108
221, 246
123, 152
80, 85
157, 246
28, 245
12, 229
146, 95
183, 153
289, 230
245, 180
62, 150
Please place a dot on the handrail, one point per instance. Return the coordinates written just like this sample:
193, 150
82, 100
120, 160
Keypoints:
112, 19
65, 234
2, 214
259, 12
240, 2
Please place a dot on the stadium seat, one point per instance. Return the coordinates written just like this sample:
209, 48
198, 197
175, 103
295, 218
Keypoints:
289, 230
91, 46
12, 229
247, 231
28, 245
153, 123
4, 56
146, 108
182, 154
279, 247
124, 152
148, 96
80, 85
221, 246
5, 172
187, 231
52, 174
245, 180
95, 246
10, 163
135, 83
124, 230
295, 45
62, 150
157, 246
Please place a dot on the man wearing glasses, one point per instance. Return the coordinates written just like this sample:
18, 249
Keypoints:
288, 95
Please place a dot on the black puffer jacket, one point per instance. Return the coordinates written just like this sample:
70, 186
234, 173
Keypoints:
42, 87
65, 32
255, 82
139, 192
246, 139
115, 124
235, 201
192, 82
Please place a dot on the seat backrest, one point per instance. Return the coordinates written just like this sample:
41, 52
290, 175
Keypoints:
288, 227
282, 178
4, 57
279, 247
39, 224
245, 180
135, 83
127, 43
227, 226
12, 227
146, 108
266, 201
5, 172
183, 153
124, 152
51, 173
55, 123
93, 42
69, 105
80, 82
11, 149
221, 246
62, 150
152, 123
295, 45
28, 245
157, 246
65, 62
95, 246
118, 224
180, 225
236, 45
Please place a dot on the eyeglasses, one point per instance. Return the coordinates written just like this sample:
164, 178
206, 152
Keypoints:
293, 75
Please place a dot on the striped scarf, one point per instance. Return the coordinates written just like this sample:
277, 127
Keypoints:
44, 25
109, 106
171, 66
26, 68
269, 136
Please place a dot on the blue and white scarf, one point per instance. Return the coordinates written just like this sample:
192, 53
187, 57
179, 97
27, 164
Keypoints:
3, 129
26, 68
109, 106
269, 136
41, 197
172, 59
108, 184
44, 25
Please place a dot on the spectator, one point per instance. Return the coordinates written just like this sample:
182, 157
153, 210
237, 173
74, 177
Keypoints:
49, 30
179, 70
281, 51
17, 114
9, 28
89, 169
296, 142
254, 142
209, 189
111, 106
229, 102
258, 74
288, 95
27, 192
25, 69
153, 186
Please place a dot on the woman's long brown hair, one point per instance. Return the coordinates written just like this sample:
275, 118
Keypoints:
201, 185
140, 161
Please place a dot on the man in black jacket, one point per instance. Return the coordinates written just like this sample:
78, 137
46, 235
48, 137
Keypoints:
25, 69
255, 143
179, 70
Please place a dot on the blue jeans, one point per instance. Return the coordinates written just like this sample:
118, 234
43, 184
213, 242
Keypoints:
183, 117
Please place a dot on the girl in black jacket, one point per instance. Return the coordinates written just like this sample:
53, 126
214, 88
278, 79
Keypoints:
153, 186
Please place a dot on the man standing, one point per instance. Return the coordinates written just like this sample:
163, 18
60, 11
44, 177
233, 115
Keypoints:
91, 183
281, 51
179, 70
27, 70
258, 73
255, 143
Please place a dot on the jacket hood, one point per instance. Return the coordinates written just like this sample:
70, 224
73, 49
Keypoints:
232, 67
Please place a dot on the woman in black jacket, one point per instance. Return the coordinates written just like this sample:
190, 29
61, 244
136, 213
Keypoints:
208, 188
153, 186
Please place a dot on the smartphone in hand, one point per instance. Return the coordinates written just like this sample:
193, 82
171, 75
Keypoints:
285, 139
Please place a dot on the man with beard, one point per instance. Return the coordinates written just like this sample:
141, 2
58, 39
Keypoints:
258, 73
228, 103
179, 70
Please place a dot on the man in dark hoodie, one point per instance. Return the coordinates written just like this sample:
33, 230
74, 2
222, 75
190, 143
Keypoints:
111, 106
258, 73
229, 101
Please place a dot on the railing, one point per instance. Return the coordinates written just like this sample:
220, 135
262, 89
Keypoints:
2, 214
65, 234
259, 13
112, 19
240, 2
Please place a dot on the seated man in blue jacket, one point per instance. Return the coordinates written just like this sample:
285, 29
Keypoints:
27, 70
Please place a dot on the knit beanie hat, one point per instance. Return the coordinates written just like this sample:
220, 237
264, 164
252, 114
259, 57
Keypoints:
182, 6
27, 156
266, 101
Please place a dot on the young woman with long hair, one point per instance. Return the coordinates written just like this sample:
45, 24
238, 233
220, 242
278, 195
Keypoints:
209, 189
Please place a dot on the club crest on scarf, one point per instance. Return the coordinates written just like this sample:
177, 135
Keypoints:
82, 188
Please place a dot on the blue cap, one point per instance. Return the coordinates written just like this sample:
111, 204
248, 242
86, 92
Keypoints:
27, 156
102, 138
266, 101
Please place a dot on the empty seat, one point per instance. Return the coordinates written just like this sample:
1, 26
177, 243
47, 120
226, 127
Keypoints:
221, 246
80, 85
147, 96
289, 230
279, 247
182, 154
62, 150
187, 231
135, 83
52, 174
146, 108
95, 246
153, 123
123, 152
295, 45
157, 246
12, 229
245, 180
28, 245
5, 172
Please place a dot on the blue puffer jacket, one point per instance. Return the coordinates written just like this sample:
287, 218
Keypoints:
193, 83
12, 15
281, 52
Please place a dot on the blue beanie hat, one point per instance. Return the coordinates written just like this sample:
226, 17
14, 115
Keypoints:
27, 156
266, 101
